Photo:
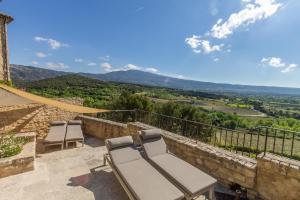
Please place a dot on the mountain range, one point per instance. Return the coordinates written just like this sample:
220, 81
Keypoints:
21, 73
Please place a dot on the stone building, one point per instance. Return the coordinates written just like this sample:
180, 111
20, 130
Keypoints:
4, 58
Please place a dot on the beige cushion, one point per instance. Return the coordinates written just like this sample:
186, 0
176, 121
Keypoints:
119, 142
155, 146
190, 178
125, 154
146, 182
74, 132
57, 123
75, 122
150, 134
56, 134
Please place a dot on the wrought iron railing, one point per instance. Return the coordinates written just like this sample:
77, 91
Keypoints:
245, 142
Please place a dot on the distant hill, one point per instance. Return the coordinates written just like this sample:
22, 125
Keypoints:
65, 81
27, 73
146, 78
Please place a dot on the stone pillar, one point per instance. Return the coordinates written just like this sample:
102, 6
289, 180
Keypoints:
4, 58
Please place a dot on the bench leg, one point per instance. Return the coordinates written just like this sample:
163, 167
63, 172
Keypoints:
211, 194
104, 159
62, 146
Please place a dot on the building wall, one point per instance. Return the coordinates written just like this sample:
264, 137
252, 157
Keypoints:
1, 49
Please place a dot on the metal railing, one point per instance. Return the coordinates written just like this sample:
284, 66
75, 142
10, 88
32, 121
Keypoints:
245, 142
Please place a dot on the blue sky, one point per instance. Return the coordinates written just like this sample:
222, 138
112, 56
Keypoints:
253, 42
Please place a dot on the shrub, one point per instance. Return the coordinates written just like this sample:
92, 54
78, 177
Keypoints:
11, 145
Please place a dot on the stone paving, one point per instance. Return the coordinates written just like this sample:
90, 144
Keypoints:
75, 173
67, 174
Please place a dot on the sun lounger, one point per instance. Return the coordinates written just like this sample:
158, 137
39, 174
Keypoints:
140, 180
192, 181
74, 132
57, 133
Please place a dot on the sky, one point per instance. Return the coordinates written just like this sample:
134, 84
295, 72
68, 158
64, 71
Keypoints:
254, 42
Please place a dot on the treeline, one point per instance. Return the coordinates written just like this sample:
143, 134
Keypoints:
117, 96
129, 101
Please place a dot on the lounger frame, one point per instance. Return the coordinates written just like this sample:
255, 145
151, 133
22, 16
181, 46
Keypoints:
46, 144
76, 140
62, 143
106, 159
209, 189
67, 141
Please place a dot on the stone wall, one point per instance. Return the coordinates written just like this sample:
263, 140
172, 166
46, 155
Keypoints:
229, 168
101, 128
278, 177
22, 162
268, 177
33, 117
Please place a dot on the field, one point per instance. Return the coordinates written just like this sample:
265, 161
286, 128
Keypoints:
219, 106
241, 110
251, 143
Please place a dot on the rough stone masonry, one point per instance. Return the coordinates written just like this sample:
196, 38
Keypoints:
4, 58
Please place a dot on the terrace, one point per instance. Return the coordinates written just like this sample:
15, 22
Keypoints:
262, 161
77, 173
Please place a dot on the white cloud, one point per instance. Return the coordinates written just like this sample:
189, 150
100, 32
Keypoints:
78, 60
246, 1
35, 62
41, 54
151, 69
180, 76
289, 68
105, 58
106, 67
193, 41
273, 62
204, 46
260, 9
54, 44
216, 60
131, 67
57, 66
278, 63
110, 68
92, 64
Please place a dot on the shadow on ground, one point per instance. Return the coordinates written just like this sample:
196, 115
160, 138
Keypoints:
88, 140
102, 182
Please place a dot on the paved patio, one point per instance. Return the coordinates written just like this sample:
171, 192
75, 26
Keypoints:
68, 174
75, 173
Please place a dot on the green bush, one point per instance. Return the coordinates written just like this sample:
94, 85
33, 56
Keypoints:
11, 145
9, 83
